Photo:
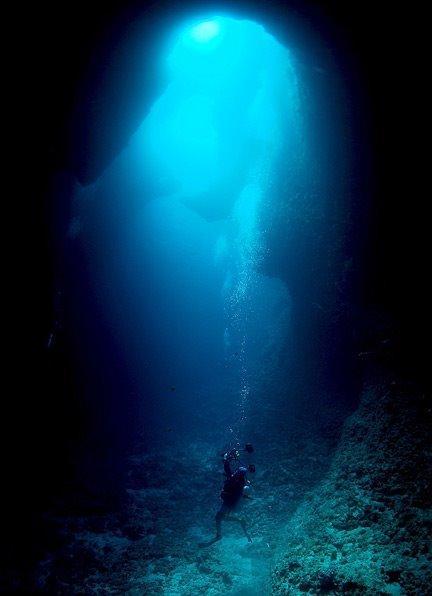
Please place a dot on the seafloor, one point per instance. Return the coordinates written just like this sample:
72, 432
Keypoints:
343, 511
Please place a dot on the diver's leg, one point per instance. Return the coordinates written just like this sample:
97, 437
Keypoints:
240, 521
244, 528
218, 518
220, 515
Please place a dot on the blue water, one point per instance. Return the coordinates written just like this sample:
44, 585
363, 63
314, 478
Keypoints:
185, 288
178, 237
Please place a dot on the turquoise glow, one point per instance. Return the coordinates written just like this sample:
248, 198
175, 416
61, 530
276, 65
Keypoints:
215, 140
228, 108
218, 155
205, 31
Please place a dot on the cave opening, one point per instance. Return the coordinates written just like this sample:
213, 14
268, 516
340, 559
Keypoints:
192, 201
212, 142
199, 240
208, 278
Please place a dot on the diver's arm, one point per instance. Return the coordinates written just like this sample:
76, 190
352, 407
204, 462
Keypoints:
245, 493
233, 454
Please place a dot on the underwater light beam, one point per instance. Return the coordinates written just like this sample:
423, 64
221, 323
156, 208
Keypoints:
205, 31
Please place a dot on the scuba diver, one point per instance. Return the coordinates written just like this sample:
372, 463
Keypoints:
236, 488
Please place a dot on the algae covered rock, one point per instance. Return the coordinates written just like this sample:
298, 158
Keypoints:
365, 529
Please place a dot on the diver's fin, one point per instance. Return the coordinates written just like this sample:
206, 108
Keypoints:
210, 542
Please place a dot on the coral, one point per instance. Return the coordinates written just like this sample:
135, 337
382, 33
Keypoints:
366, 527
327, 517
152, 544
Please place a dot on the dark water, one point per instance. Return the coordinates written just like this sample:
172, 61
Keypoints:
179, 232
181, 238
208, 294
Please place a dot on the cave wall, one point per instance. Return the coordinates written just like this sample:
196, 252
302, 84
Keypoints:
71, 66
365, 527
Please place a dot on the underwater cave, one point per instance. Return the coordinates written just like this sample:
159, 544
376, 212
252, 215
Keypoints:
228, 309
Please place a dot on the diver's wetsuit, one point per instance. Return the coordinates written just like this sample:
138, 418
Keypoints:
231, 494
